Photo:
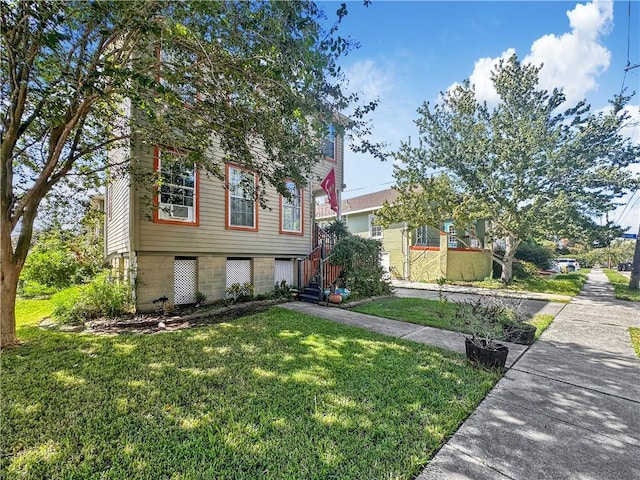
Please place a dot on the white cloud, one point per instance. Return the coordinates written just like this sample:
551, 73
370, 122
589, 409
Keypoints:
572, 61
369, 79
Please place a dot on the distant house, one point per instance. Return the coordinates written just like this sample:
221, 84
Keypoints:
427, 253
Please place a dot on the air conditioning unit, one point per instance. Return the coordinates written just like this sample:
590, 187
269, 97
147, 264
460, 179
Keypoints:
179, 211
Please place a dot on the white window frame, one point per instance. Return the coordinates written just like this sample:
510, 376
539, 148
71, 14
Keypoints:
236, 191
375, 231
291, 210
182, 183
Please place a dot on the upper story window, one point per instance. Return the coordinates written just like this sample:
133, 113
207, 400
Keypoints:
452, 235
177, 192
329, 144
242, 212
375, 231
291, 210
175, 71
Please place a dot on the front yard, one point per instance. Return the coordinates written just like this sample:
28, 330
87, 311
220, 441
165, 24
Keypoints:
430, 313
274, 395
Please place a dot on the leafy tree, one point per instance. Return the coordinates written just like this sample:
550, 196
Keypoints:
532, 170
197, 76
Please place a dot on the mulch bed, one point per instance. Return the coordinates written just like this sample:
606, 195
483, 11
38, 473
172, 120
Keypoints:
156, 323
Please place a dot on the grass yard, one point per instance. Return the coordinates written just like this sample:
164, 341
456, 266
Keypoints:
274, 395
620, 284
563, 284
635, 339
430, 313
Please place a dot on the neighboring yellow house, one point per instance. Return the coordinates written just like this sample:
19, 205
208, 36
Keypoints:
196, 233
424, 254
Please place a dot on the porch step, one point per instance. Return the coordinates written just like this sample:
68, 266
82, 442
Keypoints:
311, 294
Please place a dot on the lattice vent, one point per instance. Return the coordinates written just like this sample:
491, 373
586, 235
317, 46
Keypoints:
238, 271
284, 271
185, 281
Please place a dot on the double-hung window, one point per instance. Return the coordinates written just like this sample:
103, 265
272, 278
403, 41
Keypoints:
242, 210
329, 144
291, 210
177, 191
375, 231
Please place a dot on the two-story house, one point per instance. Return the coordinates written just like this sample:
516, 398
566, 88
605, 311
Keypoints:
195, 233
423, 254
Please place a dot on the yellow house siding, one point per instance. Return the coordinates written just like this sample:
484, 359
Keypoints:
428, 265
468, 265
393, 242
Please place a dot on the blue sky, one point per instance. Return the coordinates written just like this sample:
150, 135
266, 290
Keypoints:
411, 51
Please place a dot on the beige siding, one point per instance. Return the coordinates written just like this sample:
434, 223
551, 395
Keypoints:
117, 215
211, 235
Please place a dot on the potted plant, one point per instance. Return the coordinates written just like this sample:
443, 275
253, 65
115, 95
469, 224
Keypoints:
481, 322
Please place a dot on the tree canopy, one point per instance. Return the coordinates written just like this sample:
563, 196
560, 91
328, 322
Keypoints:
533, 170
259, 81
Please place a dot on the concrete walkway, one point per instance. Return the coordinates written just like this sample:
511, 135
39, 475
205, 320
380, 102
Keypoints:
567, 408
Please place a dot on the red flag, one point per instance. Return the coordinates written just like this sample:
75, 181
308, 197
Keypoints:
329, 186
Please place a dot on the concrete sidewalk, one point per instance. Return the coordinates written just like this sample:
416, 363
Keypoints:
568, 409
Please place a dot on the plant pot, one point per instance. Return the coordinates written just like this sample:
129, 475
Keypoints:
335, 298
488, 357
524, 333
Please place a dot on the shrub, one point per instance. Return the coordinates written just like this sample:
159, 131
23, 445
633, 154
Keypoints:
237, 293
281, 290
525, 270
360, 261
531, 252
100, 298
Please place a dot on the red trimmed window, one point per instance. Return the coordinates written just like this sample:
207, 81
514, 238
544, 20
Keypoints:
177, 188
242, 208
291, 211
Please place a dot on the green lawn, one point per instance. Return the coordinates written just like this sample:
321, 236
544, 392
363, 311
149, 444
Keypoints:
564, 284
274, 395
430, 313
620, 284
635, 339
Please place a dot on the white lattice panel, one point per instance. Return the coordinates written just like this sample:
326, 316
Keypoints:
185, 281
284, 271
238, 271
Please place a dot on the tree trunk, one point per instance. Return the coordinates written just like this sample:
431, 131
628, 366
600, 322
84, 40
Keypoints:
510, 247
634, 283
8, 289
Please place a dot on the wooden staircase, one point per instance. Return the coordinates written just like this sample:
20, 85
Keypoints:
315, 273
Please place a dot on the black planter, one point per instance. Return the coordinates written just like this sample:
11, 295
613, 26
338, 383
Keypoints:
479, 353
522, 334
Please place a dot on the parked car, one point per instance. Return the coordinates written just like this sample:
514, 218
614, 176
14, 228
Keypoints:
625, 267
568, 264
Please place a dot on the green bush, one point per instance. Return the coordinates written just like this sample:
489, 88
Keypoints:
237, 293
524, 270
100, 298
51, 265
360, 261
34, 289
536, 254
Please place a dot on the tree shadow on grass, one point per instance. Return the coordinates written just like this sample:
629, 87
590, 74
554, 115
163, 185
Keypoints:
274, 395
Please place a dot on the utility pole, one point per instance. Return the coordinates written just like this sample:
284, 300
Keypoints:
634, 283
